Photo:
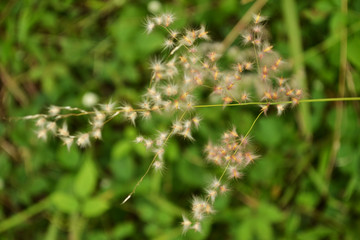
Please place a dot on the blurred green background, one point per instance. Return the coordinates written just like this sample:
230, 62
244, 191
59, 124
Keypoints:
305, 186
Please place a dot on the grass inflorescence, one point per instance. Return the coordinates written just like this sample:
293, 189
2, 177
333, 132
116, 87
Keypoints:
191, 61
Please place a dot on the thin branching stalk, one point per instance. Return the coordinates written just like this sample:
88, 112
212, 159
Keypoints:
242, 141
151, 164
324, 100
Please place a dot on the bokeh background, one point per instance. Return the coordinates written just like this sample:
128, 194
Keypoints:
305, 186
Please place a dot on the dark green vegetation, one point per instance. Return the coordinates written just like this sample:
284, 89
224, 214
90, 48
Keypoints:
305, 186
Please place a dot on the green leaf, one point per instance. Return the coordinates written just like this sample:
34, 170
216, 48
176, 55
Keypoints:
319, 232
244, 230
263, 230
172, 151
122, 164
190, 173
270, 213
95, 207
85, 181
5, 165
270, 131
318, 181
123, 230
68, 159
306, 200
65, 202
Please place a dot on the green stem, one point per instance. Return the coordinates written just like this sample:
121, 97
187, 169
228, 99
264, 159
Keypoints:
76, 226
21, 217
343, 99
53, 229
294, 33
341, 92
230, 38
330, 42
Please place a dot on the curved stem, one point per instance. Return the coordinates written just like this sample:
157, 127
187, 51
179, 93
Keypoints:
151, 164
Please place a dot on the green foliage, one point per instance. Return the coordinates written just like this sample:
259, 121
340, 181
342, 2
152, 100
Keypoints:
86, 179
65, 202
94, 207
121, 163
54, 52
354, 51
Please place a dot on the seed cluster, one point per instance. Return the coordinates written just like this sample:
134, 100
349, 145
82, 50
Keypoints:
192, 61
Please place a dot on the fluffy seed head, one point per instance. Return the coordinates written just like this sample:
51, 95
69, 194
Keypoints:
161, 138
250, 157
295, 101
233, 172
258, 18
169, 43
97, 133
99, 116
208, 209
149, 25
109, 107
257, 29
298, 92
148, 143
132, 117
168, 18
245, 97
196, 227
42, 134
223, 189
83, 140
212, 56
186, 133
186, 224
265, 108
68, 142
54, 110
211, 194
139, 139
196, 120
158, 165
158, 20
51, 126
177, 126
247, 38
145, 114
202, 33
170, 90
280, 108
145, 105
227, 100
187, 124
215, 183
63, 131
157, 65
173, 33
40, 122
248, 66
267, 49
